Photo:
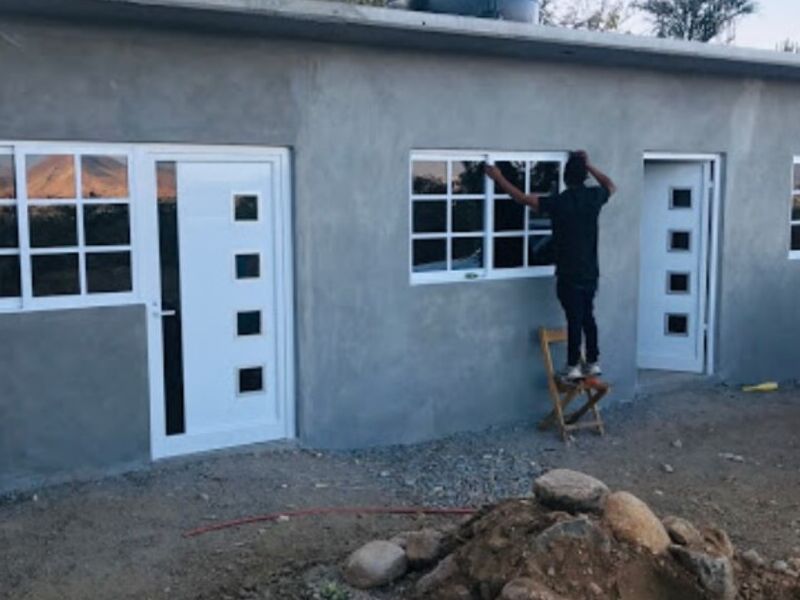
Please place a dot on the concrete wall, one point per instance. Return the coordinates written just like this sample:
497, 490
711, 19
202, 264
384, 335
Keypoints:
74, 399
380, 361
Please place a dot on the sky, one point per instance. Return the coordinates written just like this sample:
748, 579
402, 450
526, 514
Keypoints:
775, 21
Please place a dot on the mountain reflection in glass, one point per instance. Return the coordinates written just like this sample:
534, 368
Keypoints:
104, 176
50, 176
8, 187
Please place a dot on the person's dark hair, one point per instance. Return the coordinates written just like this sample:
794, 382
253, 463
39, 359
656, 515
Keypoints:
575, 172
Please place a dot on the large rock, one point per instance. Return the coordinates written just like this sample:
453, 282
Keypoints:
424, 547
374, 564
715, 573
527, 589
682, 532
562, 489
632, 520
717, 542
447, 569
578, 528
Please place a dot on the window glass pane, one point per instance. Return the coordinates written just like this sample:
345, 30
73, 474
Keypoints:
8, 186
677, 325
246, 207
248, 266
468, 177
680, 241
55, 274
677, 283
468, 215
430, 255
544, 177
251, 380
796, 208
104, 176
681, 199
467, 253
429, 177
540, 251
430, 216
248, 322
106, 224
797, 177
108, 272
508, 252
52, 226
50, 176
514, 171
795, 237
10, 285
508, 216
166, 181
8, 227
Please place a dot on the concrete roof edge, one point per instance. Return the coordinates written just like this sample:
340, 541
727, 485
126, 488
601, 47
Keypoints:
417, 29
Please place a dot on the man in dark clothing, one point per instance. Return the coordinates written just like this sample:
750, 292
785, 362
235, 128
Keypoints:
574, 214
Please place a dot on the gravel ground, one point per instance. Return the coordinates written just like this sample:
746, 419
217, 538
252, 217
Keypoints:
715, 456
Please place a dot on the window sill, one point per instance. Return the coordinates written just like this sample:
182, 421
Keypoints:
477, 276
14, 305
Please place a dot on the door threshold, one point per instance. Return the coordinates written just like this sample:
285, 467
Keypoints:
652, 381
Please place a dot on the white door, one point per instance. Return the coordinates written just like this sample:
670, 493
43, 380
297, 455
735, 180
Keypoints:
674, 265
223, 305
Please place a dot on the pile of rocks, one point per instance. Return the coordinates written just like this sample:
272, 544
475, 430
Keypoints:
575, 540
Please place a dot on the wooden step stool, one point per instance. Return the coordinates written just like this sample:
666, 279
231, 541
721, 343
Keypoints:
562, 392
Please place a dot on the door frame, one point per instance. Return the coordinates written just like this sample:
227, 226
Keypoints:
712, 217
146, 156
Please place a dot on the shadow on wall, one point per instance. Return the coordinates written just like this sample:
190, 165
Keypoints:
525, 11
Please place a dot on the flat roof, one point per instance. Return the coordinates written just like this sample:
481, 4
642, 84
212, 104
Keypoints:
351, 24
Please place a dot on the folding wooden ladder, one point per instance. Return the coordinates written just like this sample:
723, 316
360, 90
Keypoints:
563, 392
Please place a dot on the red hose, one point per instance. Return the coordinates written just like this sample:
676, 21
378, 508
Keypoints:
346, 510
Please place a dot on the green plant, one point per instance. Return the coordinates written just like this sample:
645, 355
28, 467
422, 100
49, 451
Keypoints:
332, 591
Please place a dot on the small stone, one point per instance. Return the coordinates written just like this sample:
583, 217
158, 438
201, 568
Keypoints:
595, 589
731, 457
677, 444
551, 572
374, 564
753, 558
321, 486
527, 589
283, 519
632, 520
385, 473
715, 574
424, 547
668, 468
658, 493
563, 489
781, 566
204, 497
682, 532
580, 528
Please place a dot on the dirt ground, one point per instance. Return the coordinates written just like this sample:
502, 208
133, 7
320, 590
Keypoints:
714, 456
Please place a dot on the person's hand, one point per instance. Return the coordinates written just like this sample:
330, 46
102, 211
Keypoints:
493, 172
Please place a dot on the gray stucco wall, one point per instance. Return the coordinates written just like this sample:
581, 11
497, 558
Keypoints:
74, 399
380, 361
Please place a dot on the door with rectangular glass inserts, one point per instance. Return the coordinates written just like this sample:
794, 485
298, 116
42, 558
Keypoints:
673, 279
221, 321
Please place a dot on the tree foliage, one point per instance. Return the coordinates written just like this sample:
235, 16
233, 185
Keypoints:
594, 15
701, 20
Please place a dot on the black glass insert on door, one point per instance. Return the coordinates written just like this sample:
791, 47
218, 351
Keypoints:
166, 176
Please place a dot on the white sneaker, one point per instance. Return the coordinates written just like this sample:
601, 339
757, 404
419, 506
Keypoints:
573, 373
593, 370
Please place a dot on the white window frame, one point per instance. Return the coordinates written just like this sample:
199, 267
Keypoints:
793, 254
487, 272
27, 301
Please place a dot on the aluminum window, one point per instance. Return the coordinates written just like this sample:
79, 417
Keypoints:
463, 229
65, 226
794, 219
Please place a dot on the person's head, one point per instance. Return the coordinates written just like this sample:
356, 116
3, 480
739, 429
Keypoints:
575, 172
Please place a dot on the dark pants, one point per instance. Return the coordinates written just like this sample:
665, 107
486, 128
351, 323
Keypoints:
578, 303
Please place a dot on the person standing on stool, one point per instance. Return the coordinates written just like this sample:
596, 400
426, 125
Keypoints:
574, 214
